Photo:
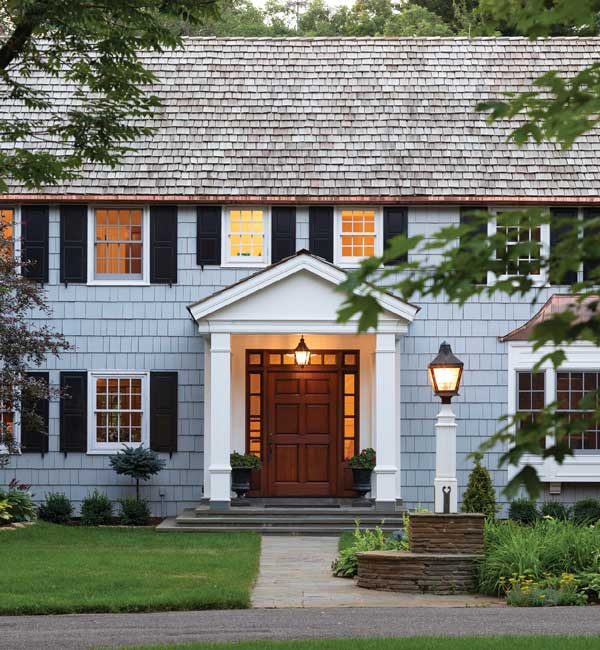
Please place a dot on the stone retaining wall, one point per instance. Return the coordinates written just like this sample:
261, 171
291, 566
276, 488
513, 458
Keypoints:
439, 533
417, 572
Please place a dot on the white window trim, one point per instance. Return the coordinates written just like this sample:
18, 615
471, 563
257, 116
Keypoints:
237, 262
539, 280
91, 235
581, 467
351, 262
110, 448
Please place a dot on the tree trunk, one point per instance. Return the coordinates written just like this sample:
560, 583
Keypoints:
137, 489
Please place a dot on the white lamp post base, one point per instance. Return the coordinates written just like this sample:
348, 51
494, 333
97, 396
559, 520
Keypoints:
445, 461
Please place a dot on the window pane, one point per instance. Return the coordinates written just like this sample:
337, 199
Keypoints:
571, 387
358, 233
246, 233
115, 229
255, 383
117, 421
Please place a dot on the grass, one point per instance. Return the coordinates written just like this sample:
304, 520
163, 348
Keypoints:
411, 643
50, 569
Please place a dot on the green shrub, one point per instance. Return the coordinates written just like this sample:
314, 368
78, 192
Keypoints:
556, 510
139, 463
5, 514
365, 460
546, 548
96, 510
523, 511
21, 504
586, 511
480, 495
134, 512
57, 509
346, 564
244, 461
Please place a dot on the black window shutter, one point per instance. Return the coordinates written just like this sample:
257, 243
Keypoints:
283, 232
467, 218
163, 411
73, 243
395, 222
34, 439
556, 233
320, 231
34, 234
73, 412
208, 235
163, 244
591, 263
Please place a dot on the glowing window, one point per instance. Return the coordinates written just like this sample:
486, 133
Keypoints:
7, 422
119, 243
246, 234
7, 231
350, 414
255, 413
357, 232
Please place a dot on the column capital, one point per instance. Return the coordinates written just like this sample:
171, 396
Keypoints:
220, 342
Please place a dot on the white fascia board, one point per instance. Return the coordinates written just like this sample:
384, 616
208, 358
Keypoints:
280, 272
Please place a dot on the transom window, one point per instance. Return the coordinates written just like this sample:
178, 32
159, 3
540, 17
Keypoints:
246, 235
119, 245
571, 388
119, 413
358, 234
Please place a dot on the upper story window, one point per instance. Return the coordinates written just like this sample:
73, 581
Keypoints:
246, 236
119, 242
119, 410
358, 234
520, 234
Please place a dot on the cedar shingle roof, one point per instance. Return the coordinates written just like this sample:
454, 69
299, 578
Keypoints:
346, 117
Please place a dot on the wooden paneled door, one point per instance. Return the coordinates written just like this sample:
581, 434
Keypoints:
302, 433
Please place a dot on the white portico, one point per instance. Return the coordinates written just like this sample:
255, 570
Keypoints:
265, 314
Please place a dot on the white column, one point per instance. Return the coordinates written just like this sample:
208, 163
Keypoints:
219, 469
386, 408
445, 458
206, 441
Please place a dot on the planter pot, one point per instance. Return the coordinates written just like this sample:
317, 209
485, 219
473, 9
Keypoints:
361, 481
240, 480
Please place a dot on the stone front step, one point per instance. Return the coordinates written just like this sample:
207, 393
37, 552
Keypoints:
305, 521
171, 526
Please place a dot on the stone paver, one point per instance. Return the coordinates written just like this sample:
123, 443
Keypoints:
295, 571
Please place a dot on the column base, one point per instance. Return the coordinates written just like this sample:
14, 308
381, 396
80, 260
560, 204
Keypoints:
438, 486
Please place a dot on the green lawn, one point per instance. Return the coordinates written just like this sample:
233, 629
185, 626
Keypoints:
412, 643
49, 569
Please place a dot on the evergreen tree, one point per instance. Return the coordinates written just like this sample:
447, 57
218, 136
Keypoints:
480, 495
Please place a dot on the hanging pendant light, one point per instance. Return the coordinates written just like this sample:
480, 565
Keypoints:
302, 353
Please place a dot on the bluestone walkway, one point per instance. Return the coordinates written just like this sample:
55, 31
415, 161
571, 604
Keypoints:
295, 571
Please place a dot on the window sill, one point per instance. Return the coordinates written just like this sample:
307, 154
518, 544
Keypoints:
244, 265
115, 450
118, 283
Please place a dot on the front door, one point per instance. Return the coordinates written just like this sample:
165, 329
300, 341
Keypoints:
302, 433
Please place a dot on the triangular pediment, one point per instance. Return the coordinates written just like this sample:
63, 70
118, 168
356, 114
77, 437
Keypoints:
302, 289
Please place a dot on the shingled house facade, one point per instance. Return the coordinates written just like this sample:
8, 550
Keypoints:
185, 276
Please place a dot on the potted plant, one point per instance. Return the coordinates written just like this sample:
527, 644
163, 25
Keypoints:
362, 465
241, 471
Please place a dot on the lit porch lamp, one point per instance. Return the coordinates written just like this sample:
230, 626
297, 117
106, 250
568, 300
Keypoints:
445, 373
302, 353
